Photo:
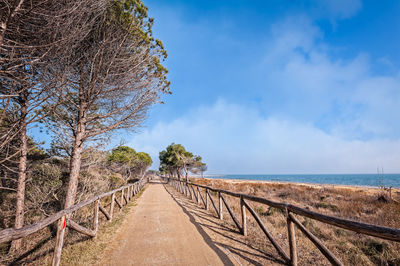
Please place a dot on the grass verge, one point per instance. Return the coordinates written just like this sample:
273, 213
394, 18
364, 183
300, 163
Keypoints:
90, 251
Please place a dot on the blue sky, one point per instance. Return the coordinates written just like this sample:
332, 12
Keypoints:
279, 86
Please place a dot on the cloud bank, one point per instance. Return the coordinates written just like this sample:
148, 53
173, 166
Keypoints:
236, 139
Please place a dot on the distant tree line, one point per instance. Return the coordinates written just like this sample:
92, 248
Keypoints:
83, 69
175, 161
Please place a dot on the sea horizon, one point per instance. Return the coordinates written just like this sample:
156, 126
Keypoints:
370, 180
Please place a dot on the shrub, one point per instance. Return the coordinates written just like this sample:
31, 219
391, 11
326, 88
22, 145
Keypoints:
328, 206
44, 184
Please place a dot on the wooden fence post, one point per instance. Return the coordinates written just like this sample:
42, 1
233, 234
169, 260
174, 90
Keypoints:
198, 196
190, 192
244, 220
194, 194
206, 207
221, 216
96, 216
292, 240
59, 241
213, 204
122, 198
112, 206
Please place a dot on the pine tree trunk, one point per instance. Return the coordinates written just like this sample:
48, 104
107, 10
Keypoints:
19, 212
186, 172
75, 167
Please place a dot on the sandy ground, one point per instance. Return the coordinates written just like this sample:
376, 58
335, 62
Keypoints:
167, 228
159, 232
225, 236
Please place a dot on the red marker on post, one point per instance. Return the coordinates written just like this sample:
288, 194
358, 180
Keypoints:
65, 221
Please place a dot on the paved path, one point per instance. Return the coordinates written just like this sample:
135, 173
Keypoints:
159, 232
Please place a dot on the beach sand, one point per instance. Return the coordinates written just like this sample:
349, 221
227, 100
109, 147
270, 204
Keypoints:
353, 188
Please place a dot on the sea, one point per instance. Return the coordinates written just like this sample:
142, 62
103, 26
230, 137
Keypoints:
370, 180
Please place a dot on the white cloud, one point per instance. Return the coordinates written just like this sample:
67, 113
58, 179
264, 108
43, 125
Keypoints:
233, 138
344, 95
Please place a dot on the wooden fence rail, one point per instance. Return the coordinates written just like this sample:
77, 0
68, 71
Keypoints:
392, 234
63, 219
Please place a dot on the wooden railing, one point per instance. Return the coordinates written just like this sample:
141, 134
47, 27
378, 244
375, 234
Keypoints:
127, 193
193, 191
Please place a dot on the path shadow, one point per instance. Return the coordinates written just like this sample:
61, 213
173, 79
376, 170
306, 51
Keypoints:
192, 209
20, 258
32, 255
264, 255
224, 258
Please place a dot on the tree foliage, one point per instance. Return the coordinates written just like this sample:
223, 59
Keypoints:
128, 162
175, 161
123, 154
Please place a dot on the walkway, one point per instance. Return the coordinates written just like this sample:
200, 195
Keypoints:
158, 232
165, 228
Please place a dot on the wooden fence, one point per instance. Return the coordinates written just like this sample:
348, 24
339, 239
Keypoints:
193, 191
127, 193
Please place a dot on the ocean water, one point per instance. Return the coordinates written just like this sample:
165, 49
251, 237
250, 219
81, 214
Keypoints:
373, 180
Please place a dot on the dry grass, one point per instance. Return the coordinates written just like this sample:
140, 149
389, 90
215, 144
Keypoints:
78, 249
356, 204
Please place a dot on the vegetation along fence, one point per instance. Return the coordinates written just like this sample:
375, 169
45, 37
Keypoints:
127, 193
194, 191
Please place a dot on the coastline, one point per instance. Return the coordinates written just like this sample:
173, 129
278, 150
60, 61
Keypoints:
359, 188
